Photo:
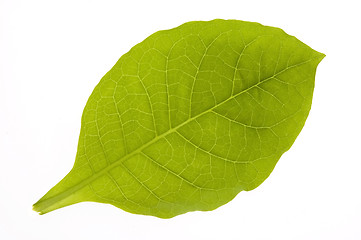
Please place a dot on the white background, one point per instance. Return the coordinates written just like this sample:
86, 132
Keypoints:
53, 53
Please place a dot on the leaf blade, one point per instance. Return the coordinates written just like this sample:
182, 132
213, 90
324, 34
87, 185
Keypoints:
169, 112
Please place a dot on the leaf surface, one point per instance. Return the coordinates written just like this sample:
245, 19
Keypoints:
190, 117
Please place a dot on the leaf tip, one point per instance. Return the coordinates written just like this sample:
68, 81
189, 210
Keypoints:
322, 56
319, 56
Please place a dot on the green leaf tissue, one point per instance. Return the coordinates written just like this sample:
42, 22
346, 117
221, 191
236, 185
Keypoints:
190, 117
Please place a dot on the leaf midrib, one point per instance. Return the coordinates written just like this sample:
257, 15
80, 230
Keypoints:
85, 182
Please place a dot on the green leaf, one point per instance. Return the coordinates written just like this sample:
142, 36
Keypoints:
190, 117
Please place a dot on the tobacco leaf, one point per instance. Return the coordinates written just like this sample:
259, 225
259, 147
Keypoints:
190, 117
